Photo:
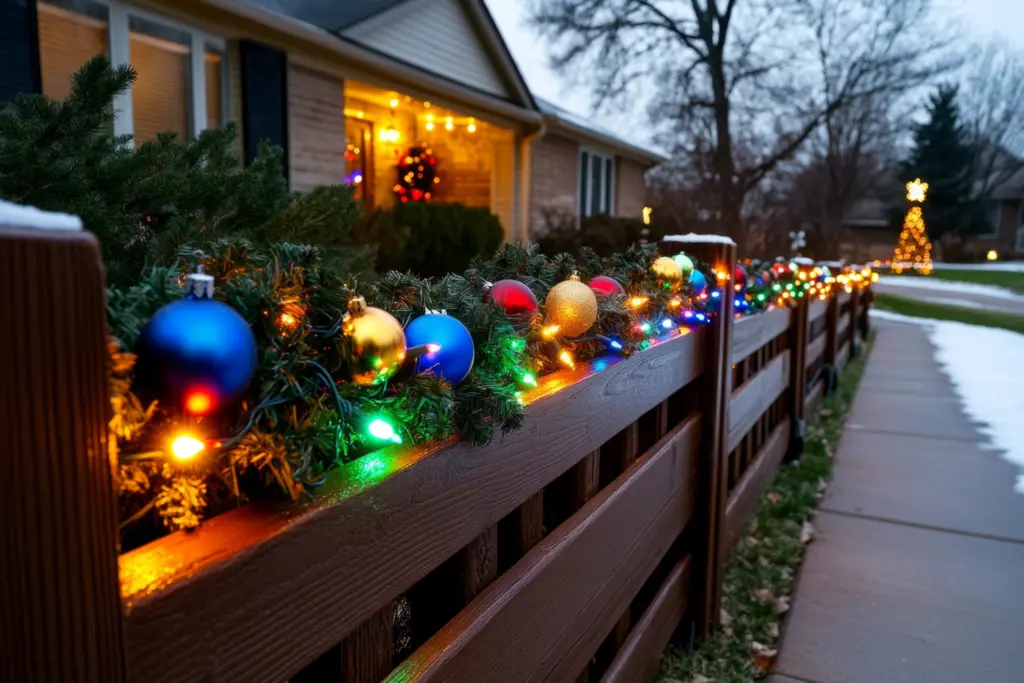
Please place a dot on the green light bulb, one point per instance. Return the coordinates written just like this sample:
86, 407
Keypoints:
383, 431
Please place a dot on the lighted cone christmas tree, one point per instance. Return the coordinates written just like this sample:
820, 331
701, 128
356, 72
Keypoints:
914, 251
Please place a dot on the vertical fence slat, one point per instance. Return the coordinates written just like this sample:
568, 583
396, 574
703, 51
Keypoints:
521, 530
799, 336
60, 603
832, 330
365, 656
715, 390
854, 308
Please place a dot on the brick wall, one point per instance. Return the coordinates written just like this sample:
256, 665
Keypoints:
554, 181
1005, 238
630, 189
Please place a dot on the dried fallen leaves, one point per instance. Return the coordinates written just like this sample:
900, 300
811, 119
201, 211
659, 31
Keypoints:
762, 656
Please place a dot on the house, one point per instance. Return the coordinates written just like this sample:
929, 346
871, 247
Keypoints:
868, 233
1005, 220
349, 90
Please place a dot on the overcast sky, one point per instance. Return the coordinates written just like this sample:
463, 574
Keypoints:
984, 17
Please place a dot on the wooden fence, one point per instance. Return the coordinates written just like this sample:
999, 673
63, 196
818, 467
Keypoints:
570, 550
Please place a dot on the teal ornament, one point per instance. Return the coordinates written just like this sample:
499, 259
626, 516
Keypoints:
449, 344
684, 263
698, 282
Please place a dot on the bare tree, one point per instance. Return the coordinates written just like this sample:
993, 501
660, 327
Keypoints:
740, 85
992, 105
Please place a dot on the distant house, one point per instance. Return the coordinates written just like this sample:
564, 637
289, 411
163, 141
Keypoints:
867, 232
346, 88
1005, 220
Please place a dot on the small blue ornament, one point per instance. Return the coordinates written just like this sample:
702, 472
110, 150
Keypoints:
698, 282
196, 353
449, 345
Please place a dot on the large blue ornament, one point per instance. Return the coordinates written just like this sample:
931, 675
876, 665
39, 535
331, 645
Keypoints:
450, 346
698, 282
198, 354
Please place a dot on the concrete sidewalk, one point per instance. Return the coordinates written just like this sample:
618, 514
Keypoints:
916, 573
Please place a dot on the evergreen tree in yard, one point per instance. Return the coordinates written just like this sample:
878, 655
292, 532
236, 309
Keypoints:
943, 158
146, 204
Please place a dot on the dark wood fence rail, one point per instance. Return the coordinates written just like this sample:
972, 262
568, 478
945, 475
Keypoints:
571, 550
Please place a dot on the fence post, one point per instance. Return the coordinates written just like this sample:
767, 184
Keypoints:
60, 603
716, 392
799, 334
854, 317
832, 330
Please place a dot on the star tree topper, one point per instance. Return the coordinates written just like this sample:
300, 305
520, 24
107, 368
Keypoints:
916, 190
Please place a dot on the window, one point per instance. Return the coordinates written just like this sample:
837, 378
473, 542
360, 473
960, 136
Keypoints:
181, 73
1019, 246
597, 182
70, 33
991, 220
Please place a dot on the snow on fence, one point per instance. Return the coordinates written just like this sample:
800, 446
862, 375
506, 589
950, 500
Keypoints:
570, 550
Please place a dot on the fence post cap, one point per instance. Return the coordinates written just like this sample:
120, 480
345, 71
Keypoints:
702, 239
21, 217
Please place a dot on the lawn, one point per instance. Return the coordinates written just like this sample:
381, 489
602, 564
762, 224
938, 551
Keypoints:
971, 316
760, 572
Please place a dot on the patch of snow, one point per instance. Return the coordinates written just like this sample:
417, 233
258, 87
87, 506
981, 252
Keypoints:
1014, 266
988, 382
949, 301
18, 216
694, 237
803, 261
924, 282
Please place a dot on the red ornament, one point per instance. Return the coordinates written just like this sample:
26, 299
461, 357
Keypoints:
602, 285
515, 298
780, 269
740, 275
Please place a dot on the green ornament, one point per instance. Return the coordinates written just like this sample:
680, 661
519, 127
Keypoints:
684, 263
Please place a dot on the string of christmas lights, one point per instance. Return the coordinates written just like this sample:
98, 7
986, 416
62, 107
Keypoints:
266, 371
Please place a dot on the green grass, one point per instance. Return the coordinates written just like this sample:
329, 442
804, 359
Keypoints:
963, 314
1010, 279
762, 568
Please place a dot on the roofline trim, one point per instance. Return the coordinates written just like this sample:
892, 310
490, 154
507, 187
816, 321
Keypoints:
645, 156
374, 61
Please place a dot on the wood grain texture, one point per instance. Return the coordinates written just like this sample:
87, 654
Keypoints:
815, 350
365, 656
751, 333
377, 527
60, 613
521, 530
716, 388
639, 658
544, 619
745, 496
754, 398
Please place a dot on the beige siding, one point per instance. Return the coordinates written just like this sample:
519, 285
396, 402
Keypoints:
503, 183
316, 129
630, 189
554, 185
436, 35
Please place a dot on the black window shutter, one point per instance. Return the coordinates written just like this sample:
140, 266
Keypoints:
19, 49
264, 98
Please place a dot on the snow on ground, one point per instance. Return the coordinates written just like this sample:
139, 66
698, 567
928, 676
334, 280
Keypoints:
1017, 266
924, 282
985, 368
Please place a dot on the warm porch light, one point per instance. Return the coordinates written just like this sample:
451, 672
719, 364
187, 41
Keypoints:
449, 125
393, 103
992, 255
472, 126
647, 215
430, 122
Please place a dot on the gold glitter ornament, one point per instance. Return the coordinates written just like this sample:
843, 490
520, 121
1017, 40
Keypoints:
572, 306
376, 342
669, 274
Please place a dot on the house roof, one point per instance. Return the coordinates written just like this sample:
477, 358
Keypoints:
331, 16
343, 19
576, 126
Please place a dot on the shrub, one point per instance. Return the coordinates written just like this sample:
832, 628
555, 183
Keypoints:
605, 234
430, 239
